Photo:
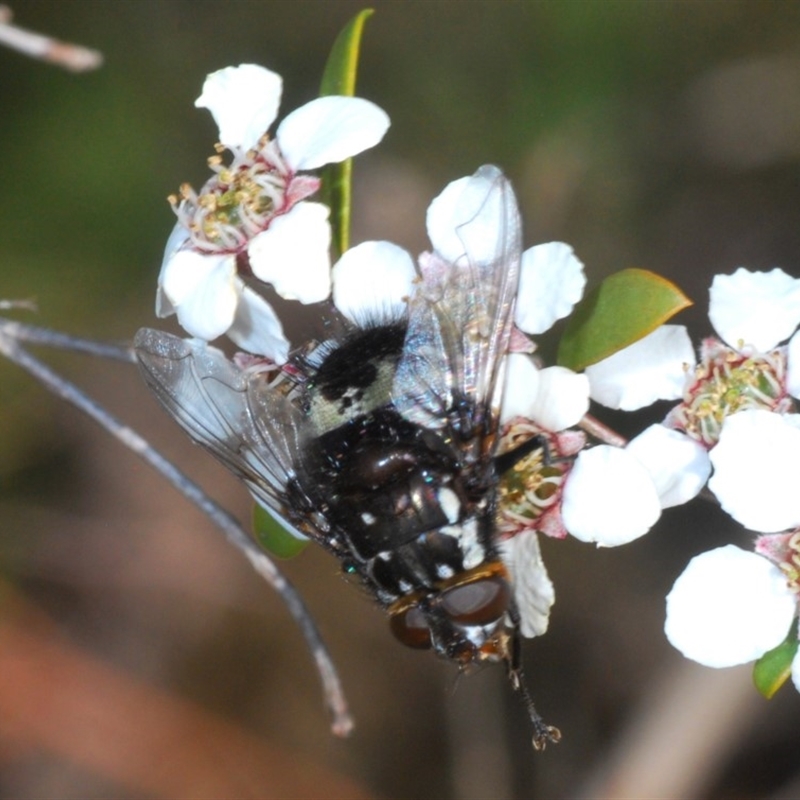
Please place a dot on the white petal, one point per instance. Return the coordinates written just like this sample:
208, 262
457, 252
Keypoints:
551, 281
728, 607
204, 291
796, 672
609, 497
757, 470
678, 465
257, 329
654, 368
533, 589
244, 102
761, 309
177, 239
373, 281
330, 129
485, 201
521, 387
293, 254
562, 400
793, 366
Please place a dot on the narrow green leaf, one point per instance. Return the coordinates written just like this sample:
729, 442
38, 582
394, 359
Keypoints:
340, 78
774, 668
623, 309
273, 537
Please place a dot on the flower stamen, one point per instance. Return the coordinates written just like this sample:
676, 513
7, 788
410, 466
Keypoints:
238, 202
727, 381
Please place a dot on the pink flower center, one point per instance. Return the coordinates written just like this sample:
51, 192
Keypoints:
727, 381
533, 486
240, 200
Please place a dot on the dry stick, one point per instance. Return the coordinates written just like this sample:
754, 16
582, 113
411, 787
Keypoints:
73, 57
9, 346
22, 332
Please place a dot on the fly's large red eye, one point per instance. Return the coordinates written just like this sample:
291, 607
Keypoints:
478, 603
411, 628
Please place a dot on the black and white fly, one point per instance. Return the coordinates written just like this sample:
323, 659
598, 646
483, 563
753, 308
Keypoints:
385, 453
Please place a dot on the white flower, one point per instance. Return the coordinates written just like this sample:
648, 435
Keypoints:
615, 495
654, 368
555, 398
678, 465
374, 280
551, 282
757, 470
533, 590
252, 214
759, 309
609, 497
728, 607
753, 312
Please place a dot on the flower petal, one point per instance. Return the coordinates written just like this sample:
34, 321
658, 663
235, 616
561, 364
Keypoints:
796, 672
330, 129
654, 368
728, 607
562, 400
244, 102
757, 470
755, 308
177, 238
521, 387
609, 497
678, 465
372, 282
485, 202
293, 254
793, 366
533, 589
257, 329
204, 291
551, 281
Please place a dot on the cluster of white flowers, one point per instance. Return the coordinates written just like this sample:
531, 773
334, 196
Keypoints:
252, 219
730, 606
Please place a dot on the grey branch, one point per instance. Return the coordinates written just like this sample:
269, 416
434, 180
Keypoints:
11, 333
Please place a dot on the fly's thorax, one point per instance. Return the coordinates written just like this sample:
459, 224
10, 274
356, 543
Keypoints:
354, 378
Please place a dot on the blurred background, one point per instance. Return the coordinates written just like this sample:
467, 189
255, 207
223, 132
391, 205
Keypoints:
140, 656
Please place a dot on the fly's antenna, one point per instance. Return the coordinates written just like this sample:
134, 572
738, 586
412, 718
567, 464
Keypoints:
542, 732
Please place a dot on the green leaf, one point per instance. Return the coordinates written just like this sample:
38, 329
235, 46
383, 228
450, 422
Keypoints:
273, 537
623, 309
773, 669
339, 78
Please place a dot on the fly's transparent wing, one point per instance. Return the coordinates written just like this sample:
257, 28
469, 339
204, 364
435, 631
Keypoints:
460, 318
252, 429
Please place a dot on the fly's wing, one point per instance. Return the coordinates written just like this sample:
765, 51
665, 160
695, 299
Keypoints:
449, 376
252, 429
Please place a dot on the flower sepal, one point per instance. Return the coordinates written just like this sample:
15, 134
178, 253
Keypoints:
774, 668
625, 307
274, 537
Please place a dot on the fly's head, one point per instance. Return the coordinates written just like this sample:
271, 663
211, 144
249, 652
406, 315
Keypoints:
464, 619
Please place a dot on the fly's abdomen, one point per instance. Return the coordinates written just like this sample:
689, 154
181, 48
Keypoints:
385, 481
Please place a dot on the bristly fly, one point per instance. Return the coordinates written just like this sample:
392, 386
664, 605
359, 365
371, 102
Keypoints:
385, 452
